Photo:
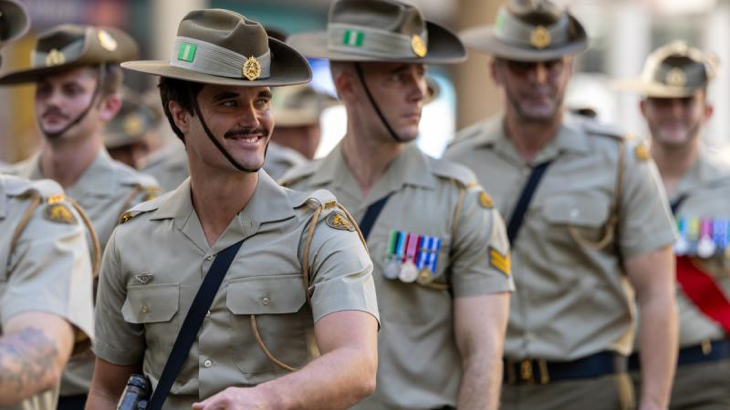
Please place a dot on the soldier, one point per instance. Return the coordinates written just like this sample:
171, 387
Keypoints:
302, 266
595, 225
297, 135
77, 77
676, 107
440, 254
45, 279
131, 135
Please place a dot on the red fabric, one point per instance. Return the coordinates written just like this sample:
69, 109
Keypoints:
702, 290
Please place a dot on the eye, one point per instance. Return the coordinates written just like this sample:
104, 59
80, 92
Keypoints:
262, 103
229, 104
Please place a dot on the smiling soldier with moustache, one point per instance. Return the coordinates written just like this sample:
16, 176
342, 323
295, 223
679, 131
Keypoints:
288, 264
438, 245
594, 224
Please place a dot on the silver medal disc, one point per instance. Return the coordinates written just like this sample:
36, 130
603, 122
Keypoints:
391, 270
706, 248
408, 272
681, 247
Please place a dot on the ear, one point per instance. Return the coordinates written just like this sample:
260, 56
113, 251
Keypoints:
180, 116
344, 83
495, 71
642, 106
109, 106
709, 110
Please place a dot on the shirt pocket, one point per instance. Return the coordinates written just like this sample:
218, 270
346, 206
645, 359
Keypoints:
277, 302
151, 303
585, 216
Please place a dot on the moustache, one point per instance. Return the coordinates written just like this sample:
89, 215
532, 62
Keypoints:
247, 131
55, 111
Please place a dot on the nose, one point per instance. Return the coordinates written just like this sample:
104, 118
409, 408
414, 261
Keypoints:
539, 74
417, 87
676, 107
248, 117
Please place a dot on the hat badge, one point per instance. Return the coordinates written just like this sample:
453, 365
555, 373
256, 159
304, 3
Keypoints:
55, 58
251, 69
107, 41
540, 37
418, 46
676, 77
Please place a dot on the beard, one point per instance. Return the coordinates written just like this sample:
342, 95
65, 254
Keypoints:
525, 115
660, 136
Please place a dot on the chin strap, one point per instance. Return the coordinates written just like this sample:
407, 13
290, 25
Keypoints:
100, 79
358, 70
210, 135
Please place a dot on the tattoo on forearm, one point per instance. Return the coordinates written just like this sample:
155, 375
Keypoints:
26, 358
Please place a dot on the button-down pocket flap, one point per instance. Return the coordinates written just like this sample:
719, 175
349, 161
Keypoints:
576, 211
151, 303
266, 295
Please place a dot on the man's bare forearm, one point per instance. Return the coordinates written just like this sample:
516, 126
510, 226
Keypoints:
658, 350
481, 383
28, 365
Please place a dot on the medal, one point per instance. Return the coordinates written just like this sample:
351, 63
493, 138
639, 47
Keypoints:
719, 233
425, 277
409, 272
396, 251
681, 247
706, 246
391, 270
693, 235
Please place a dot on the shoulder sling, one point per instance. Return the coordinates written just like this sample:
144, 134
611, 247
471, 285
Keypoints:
518, 214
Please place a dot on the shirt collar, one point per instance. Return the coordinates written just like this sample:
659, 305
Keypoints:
411, 167
98, 178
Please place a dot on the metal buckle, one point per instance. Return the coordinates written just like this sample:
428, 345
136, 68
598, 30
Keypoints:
706, 347
526, 373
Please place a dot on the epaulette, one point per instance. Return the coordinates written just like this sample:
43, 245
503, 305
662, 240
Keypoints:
45, 188
142, 208
594, 127
476, 130
461, 175
298, 173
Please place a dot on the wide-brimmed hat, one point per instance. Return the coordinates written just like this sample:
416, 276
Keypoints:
529, 30
69, 46
299, 105
222, 47
131, 124
379, 31
14, 21
673, 71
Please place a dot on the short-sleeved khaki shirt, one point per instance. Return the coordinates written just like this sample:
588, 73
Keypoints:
169, 166
48, 269
280, 159
419, 365
571, 301
105, 190
156, 261
705, 190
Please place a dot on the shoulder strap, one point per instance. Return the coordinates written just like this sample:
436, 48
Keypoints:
518, 214
191, 325
34, 204
95, 245
674, 205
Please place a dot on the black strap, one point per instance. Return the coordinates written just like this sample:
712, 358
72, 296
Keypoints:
368, 221
674, 205
189, 331
376, 107
518, 215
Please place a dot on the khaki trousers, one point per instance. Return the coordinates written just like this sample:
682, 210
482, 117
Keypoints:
613, 392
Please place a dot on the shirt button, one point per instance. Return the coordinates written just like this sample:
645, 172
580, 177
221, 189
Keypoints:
207, 314
209, 258
145, 309
265, 301
207, 363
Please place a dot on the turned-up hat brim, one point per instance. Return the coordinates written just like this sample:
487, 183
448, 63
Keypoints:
484, 40
288, 67
444, 47
653, 89
15, 19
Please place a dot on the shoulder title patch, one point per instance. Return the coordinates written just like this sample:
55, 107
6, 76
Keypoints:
485, 200
339, 221
330, 205
641, 152
59, 212
499, 261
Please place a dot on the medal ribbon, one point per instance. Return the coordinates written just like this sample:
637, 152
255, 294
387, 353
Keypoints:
434, 251
423, 254
719, 233
412, 247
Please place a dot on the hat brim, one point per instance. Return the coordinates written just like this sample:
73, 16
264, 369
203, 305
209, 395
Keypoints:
92, 55
16, 18
653, 90
288, 67
444, 47
483, 39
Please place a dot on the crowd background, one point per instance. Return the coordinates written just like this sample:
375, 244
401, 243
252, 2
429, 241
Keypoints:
622, 33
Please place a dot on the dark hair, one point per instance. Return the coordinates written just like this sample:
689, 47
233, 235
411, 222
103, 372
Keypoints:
112, 82
182, 92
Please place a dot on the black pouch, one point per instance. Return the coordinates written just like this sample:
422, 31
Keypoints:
136, 395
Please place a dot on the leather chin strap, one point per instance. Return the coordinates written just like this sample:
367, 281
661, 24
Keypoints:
358, 70
210, 135
101, 76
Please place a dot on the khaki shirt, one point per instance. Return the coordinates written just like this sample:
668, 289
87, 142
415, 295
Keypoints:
707, 189
48, 269
280, 159
572, 301
156, 262
169, 166
419, 365
105, 190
